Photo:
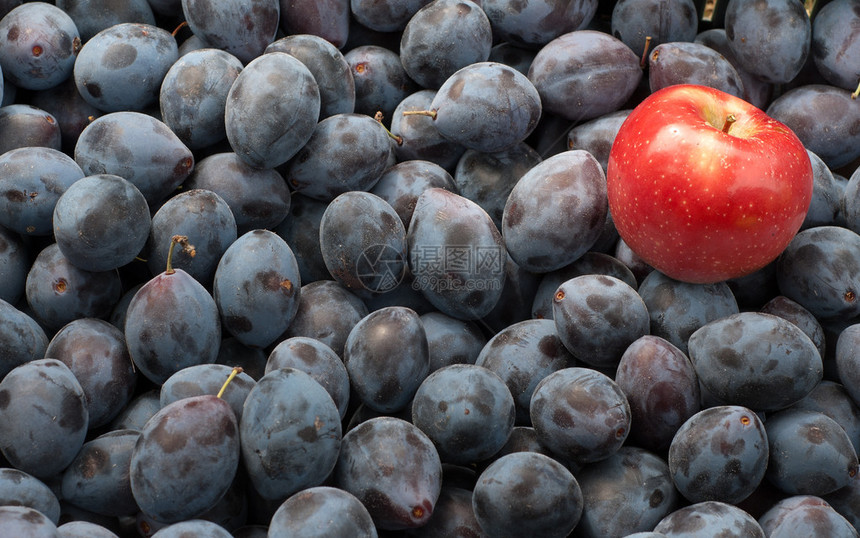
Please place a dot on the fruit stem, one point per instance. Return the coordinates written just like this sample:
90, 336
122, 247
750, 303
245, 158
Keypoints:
182, 25
431, 113
378, 117
856, 92
236, 371
186, 247
730, 119
644, 61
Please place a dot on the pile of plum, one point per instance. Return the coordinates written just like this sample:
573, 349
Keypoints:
347, 268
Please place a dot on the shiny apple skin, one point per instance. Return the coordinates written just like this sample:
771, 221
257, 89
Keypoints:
699, 204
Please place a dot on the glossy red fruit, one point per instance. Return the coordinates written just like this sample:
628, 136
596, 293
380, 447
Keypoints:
704, 186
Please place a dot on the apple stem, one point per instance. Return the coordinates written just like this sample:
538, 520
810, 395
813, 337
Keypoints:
730, 119
397, 138
186, 247
856, 92
644, 61
236, 371
431, 113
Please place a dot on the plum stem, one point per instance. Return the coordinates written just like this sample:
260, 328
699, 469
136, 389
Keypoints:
186, 247
644, 61
431, 113
236, 371
856, 92
730, 119
397, 138
182, 25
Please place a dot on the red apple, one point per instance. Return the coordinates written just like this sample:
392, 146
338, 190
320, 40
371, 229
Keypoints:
704, 186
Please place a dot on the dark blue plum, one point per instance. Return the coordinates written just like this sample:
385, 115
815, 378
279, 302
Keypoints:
505, 53
442, 37
628, 492
596, 136
387, 358
486, 106
257, 288
451, 341
597, 317
329, 19
677, 309
98, 478
252, 360
95, 352
346, 152
535, 23
770, 38
488, 178
101, 222
692, 63
301, 230
328, 312
820, 270
22, 489
456, 254
84, 529
138, 411
785, 308
756, 90
328, 66
322, 512
385, 15
59, 292
719, 454
93, 16
25, 521
834, 43
72, 112
122, 66
827, 194
589, 263
810, 453
39, 45
580, 414
453, 515
845, 501
585, 74
32, 180
555, 212
291, 433
393, 468
466, 410
203, 379
43, 423
664, 21
193, 96
363, 242
244, 28
380, 80
14, 266
208, 223
709, 518
834, 400
137, 147
825, 118
199, 528
185, 458
518, 294
805, 515
847, 357
755, 360
272, 109
172, 322
317, 360
401, 185
419, 138
662, 389
25, 126
527, 494
522, 355
258, 198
